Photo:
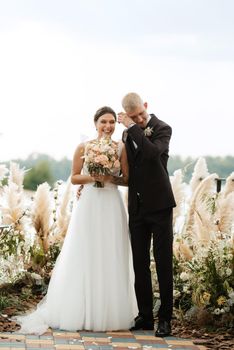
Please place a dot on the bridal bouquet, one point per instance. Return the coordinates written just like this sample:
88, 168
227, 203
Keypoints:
101, 157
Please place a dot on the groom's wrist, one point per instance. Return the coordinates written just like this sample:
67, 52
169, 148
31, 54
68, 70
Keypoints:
131, 124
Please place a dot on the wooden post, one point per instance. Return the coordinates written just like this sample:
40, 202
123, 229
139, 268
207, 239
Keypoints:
219, 184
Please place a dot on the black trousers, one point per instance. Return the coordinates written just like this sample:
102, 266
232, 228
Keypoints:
142, 228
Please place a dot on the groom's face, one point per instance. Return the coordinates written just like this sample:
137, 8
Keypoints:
139, 115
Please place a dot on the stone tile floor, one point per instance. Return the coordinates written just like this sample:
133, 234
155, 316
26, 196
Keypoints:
60, 340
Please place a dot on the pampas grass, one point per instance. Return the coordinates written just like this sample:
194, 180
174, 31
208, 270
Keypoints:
3, 171
200, 173
13, 206
229, 185
203, 191
202, 228
42, 214
178, 188
16, 175
182, 250
63, 214
225, 213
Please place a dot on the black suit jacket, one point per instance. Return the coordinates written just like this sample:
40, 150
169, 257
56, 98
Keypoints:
149, 182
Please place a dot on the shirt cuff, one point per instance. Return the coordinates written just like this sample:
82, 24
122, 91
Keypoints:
131, 125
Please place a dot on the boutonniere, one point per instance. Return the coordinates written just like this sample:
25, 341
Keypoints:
148, 131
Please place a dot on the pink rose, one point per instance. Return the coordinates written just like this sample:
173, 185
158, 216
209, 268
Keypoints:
102, 159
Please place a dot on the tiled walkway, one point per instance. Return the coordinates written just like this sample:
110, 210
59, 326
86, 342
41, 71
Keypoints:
58, 340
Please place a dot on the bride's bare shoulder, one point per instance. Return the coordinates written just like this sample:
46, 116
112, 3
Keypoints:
82, 145
79, 151
90, 141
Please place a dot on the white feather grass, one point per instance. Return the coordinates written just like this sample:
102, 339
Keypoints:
13, 206
204, 190
16, 175
42, 215
200, 173
229, 185
225, 213
182, 249
178, 188
3, 171
202, 227
64, 214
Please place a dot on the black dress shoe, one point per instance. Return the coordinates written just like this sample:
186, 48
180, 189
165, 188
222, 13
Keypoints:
141, 323
163, 329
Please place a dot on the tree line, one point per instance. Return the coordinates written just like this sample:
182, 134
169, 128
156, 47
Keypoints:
44, 168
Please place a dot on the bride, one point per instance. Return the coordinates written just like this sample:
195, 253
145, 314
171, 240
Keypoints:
92, 284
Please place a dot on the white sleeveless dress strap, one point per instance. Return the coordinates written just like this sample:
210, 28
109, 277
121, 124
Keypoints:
120, 148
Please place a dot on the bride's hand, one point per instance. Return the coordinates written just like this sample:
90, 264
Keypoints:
101, 178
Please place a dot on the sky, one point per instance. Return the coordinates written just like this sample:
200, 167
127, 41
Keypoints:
61, 60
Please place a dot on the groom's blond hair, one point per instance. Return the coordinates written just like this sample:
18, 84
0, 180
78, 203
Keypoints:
131, 101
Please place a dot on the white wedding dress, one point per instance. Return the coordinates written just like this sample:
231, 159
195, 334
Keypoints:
92, 284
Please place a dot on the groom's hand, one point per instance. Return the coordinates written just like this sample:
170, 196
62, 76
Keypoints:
124, 119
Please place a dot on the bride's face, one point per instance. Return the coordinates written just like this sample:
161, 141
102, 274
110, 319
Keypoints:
105, 125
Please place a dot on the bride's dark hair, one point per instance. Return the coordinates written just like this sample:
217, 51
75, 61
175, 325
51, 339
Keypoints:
103, 110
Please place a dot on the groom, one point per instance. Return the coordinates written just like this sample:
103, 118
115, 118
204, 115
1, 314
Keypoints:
150, 203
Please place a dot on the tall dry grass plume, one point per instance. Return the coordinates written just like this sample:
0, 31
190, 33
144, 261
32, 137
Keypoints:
42, 215
63, 214
16, 175
200, 173
229, 185
3, 171
202, 227
225, 213
199, 204
178, 188
182, 250
13, 206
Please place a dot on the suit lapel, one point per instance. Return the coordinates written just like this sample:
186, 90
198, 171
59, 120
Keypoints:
152, 122
128, 140
129, 143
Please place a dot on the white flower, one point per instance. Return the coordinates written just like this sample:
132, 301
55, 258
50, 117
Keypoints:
230, 302
156, 295
186, 289
217, 311
228, 272
148, 131
36, 276
231, 295
184, 276
229, 257
226, 309
176, 293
